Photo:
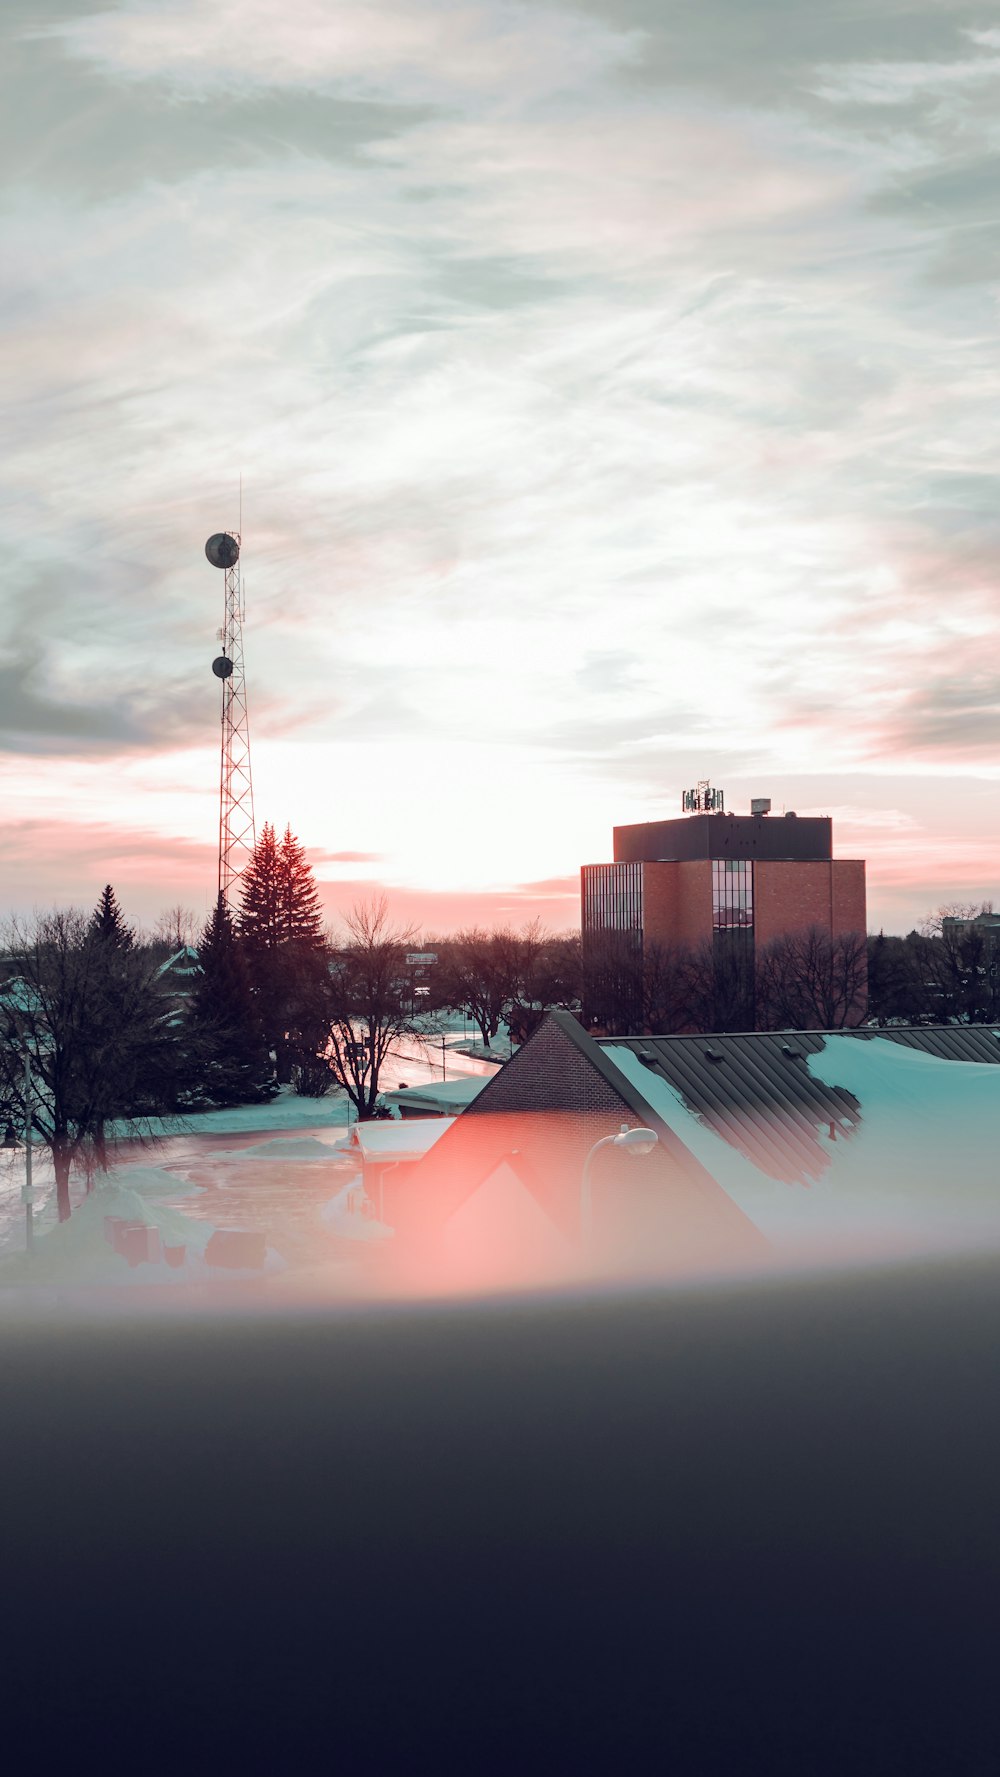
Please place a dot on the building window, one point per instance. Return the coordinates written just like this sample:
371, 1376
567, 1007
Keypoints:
612, 898
732, 894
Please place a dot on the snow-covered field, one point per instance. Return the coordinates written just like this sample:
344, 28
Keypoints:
917, 1176
270, 1169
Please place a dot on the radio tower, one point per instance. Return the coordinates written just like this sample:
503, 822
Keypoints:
237, 834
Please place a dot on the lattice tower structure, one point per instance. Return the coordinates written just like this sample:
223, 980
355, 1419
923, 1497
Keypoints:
237, 831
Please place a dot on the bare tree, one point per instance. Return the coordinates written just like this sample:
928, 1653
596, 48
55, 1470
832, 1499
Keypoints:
554, 976
812, 981
896, 991
932, 924
958, 973
665, 988
612, 982
91, 1020
717, 986
369, 1005
176, 927
485, 972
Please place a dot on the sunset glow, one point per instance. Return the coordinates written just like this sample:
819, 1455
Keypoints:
615, 401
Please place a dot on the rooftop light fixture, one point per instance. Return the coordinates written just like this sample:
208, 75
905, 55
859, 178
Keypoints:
635, 1142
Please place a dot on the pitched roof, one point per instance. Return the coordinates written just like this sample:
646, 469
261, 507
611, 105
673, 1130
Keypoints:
756, 1089
569, 1027
547, 1106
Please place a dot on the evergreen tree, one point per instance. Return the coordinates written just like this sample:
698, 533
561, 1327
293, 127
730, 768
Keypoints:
260, 915
108, 922
279, 926
279, 901
230, 1060
301, 914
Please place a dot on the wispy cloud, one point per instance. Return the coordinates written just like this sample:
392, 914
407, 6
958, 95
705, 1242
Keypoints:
603, 382
452, 51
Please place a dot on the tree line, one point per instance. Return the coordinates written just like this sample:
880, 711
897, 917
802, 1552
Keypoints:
803, 980
104, 1029
947, 972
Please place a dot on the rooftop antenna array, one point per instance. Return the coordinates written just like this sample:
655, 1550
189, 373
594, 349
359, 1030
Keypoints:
237, 834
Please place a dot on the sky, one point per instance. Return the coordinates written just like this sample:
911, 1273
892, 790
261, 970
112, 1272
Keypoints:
616, 394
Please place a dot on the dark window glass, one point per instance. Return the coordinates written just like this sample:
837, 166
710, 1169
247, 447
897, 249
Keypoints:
612, 898
732, 893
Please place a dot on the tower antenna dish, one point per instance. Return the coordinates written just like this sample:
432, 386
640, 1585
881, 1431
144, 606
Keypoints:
237, 832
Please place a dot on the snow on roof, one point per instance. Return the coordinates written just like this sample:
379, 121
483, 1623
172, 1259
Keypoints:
183, 962
928, 1127
440, 1093
21, 995
384, 1140
918, 1169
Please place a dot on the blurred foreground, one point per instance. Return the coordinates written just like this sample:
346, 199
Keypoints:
731, 1528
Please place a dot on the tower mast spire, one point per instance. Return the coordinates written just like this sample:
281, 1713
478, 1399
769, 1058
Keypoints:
237, 833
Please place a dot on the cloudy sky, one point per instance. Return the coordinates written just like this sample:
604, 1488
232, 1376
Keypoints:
616, 393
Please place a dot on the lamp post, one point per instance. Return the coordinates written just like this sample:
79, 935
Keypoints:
635, 1142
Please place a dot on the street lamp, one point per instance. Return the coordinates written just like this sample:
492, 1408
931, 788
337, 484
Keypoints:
635, 1142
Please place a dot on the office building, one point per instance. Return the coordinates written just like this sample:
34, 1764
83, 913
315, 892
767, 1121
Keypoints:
734, 882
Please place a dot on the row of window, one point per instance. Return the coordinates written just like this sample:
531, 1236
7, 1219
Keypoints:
612, 897
732, 893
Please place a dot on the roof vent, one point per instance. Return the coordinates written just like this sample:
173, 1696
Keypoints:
713, 1055
793, 1054
645, 1054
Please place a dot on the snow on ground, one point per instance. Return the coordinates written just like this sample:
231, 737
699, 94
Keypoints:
918, 1174
344, 1215
78, 1254
287, 1111
301, 1147
182, 1139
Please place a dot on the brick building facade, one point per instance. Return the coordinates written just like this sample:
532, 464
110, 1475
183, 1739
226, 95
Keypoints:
732, 882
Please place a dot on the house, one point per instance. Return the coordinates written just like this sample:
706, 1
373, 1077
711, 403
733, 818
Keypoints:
498, 1198
178, 980
436, 1098
384, 1148
766, 1141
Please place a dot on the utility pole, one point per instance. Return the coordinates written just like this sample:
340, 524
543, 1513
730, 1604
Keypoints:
28, 1194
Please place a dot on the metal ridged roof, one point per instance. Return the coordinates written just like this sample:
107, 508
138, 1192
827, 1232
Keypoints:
756, 1091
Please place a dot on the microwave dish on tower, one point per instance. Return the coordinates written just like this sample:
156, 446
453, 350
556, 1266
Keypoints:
237, 833
223, 549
